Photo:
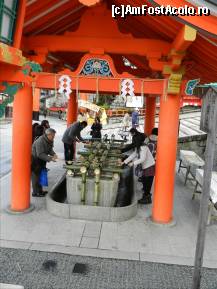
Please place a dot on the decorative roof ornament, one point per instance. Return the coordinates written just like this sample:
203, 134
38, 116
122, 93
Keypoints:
96, 66
191, 84
127, 88
65, 85
89, 2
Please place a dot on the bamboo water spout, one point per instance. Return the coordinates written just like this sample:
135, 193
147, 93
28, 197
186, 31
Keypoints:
97, 187
83, 171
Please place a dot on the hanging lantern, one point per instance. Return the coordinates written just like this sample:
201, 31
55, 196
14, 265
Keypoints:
89, 2
65, 85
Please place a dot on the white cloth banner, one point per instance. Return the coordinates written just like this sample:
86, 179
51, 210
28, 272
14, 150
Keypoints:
135, 101
88, 105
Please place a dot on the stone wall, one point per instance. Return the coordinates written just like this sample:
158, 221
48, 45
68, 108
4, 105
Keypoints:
107, 195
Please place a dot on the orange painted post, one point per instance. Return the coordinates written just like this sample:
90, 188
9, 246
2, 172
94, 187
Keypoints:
166, 159
19, 24
150, 114
36, 103
21, 149
72, 109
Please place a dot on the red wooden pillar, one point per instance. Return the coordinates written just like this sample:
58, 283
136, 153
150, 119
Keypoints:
166, 159
21, 149
72, 109
150, 114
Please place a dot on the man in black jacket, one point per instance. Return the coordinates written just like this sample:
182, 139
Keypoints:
136, 137
70, 136
42, 152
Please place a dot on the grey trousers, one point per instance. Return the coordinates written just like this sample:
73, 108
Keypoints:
37, 188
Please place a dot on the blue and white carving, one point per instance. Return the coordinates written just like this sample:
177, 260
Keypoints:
95, 66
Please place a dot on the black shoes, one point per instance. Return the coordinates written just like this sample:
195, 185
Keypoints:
41, 194
145, 200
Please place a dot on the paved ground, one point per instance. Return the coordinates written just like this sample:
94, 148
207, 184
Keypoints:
42, 270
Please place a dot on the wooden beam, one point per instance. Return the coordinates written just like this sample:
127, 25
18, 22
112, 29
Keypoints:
184, 38
85, 44
11, 74
156, 65
38, 7
10, 55
109, 85
52, 17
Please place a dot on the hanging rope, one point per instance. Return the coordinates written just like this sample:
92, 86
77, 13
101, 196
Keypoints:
142, 89
120, 87
97, 88
77, 89
55, 85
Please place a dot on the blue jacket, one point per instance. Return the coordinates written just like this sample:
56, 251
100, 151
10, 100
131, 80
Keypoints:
135, 117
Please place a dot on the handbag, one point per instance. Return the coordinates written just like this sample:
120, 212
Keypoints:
139, 171
43, 179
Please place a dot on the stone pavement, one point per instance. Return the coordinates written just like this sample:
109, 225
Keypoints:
42, 270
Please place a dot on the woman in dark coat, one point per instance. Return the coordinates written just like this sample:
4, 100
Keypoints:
39, 130
33, 130
96, 128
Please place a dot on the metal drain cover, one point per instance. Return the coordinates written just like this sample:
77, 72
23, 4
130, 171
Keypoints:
80, 268
49, 265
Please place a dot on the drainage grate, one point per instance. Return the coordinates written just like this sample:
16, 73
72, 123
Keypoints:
49, 265
80, 268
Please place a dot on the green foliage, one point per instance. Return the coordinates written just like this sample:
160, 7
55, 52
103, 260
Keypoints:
104, 100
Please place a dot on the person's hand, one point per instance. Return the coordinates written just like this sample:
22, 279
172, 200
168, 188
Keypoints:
54, 158
130, 164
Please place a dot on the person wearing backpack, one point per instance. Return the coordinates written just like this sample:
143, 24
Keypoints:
149, 173
136, 137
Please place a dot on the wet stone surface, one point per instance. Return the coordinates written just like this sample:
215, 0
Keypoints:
43, 270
